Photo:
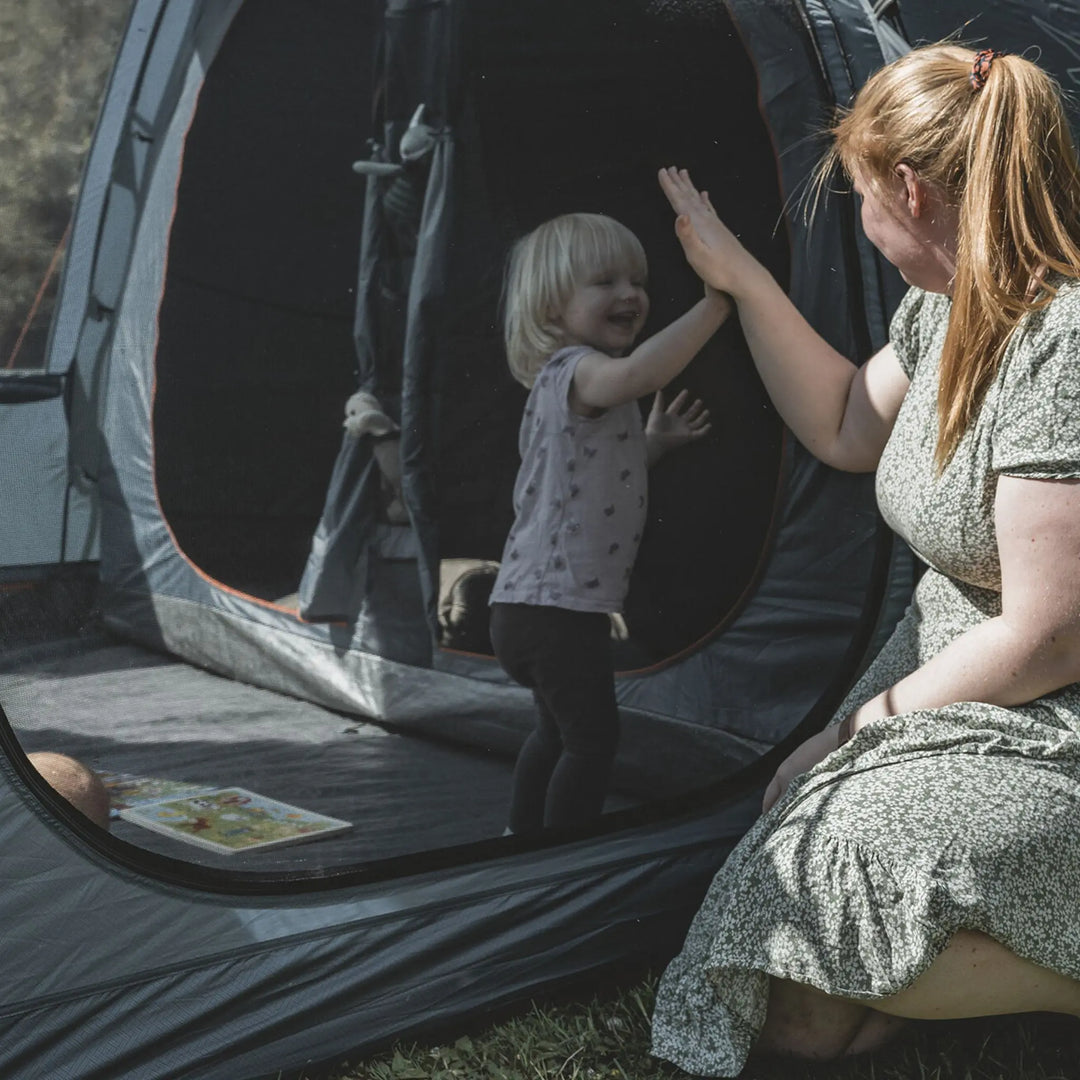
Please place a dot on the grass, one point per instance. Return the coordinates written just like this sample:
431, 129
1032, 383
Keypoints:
607, 1038
56, 56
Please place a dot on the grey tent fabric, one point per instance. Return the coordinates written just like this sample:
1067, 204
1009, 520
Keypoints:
120, 709
214, 316
180, 541
332, 587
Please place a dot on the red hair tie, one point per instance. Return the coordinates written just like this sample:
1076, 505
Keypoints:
980, 69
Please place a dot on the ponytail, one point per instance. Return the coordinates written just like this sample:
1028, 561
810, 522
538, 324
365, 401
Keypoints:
1019, 219
990, 131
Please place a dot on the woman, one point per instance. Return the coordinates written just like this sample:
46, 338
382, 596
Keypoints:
921, 857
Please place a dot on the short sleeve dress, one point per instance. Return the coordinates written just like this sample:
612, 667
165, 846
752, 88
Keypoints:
963, 817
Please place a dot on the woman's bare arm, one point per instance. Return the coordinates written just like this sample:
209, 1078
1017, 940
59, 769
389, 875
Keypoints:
1033, 647
841, 413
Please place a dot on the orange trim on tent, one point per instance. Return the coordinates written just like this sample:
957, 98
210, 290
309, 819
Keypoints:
153, 397
54, 262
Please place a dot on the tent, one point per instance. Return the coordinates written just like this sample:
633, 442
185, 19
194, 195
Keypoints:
203, 579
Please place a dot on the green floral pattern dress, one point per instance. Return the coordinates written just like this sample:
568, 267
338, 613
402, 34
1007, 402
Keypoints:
967, 816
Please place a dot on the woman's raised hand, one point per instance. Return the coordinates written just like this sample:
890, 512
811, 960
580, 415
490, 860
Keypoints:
711, 248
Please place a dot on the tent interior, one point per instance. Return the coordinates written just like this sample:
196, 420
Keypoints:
255, 355
563, 106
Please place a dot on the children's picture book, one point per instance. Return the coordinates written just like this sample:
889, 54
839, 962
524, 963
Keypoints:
127, 790
231, 820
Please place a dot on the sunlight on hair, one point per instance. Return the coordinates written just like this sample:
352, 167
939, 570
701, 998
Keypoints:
545, 267
1003, 156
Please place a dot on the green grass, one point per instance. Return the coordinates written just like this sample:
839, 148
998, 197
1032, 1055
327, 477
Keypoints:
607, 1038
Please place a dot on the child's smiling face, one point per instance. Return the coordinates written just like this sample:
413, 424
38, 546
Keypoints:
606, 311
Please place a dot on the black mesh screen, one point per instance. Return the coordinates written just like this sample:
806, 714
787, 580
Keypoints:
255, 357
565, 106
575, 107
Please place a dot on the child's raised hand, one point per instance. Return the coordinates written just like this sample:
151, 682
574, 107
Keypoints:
676, 424
711, 248
720, 298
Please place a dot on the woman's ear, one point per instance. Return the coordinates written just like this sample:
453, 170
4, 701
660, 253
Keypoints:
914, 188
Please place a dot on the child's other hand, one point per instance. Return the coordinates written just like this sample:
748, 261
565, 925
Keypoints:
675, 425
711, 248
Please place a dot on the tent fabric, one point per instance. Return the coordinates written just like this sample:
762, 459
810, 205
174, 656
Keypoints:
167, 587
207, 333
45, 521
121, 709
165, 982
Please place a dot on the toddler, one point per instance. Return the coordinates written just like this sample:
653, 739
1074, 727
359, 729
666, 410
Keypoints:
575, 304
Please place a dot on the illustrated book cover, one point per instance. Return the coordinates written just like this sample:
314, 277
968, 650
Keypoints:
231, 820
128, 789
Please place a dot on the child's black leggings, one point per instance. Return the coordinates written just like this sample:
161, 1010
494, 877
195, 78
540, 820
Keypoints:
564, 657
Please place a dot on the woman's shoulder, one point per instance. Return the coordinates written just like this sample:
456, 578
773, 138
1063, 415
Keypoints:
1062, 314
922, 307
1050, 331
915, 322
1036, 431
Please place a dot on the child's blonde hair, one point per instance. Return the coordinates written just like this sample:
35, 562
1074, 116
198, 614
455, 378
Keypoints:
1001, 152
545, 267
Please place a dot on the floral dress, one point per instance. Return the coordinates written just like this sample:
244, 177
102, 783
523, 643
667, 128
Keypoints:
962, 817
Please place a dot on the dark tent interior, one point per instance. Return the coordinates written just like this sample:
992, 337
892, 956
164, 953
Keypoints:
563, 107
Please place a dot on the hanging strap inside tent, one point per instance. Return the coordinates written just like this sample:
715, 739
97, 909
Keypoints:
34, 307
